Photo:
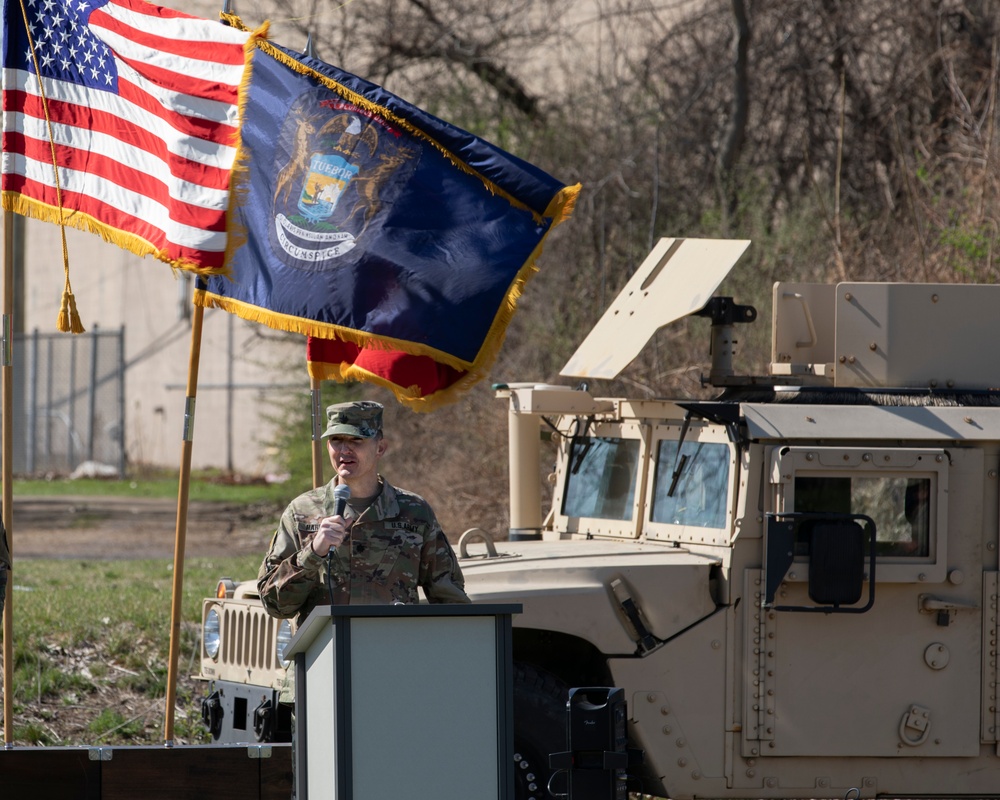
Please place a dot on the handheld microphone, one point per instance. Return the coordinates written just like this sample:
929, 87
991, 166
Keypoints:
341, 494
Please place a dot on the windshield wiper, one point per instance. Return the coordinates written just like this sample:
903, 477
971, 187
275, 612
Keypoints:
681, 460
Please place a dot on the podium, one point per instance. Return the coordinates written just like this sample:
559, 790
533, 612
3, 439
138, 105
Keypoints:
408, 701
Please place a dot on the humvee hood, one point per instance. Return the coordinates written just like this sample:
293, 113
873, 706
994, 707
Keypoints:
578, 586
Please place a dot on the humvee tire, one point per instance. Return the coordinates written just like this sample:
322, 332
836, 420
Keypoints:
539, 729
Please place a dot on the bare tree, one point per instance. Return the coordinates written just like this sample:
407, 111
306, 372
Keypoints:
845, 138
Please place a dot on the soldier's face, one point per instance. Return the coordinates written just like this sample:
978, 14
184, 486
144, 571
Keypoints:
355, 458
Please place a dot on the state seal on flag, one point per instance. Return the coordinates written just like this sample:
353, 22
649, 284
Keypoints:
341, 164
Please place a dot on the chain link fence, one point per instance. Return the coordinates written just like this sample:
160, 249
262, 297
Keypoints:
69, 401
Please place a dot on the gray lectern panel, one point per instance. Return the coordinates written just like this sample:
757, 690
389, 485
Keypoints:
321, 744
424, 708
409, 702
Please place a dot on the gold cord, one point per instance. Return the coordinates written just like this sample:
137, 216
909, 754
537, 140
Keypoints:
69, 318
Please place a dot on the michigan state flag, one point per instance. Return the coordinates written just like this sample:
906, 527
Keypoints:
363, 220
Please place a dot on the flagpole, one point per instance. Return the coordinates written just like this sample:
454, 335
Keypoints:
6, 472
184, 483
183, 493
315, 385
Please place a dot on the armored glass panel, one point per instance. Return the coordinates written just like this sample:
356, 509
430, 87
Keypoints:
601, 480
701, 490
901, 508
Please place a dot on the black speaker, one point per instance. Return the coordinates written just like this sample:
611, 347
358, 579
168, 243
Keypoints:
596, 720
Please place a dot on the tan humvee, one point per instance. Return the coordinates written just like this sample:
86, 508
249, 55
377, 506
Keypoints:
795, 584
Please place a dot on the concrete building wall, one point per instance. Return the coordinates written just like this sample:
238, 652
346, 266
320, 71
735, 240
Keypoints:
240, 370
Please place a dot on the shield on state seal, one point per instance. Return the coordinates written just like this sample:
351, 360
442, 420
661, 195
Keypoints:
324, 185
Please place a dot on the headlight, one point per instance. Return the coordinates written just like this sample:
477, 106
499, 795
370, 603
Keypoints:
210, 634
284, 637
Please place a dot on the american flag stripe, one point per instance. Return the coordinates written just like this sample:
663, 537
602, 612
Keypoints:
173, 64
143, 19
199, 122
83, 207
168, 23
77, 167
198, 193
143, 107
112, 135
178, 222
182, 223
129, 211
75, 103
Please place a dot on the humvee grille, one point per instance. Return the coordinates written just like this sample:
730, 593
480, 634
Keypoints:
248, 638
247, 648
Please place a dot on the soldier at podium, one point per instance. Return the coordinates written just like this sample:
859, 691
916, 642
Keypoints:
384, 544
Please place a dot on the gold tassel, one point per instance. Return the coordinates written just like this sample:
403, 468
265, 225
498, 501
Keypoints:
69, 318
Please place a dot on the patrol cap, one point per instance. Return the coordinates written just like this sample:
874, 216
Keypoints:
362, 418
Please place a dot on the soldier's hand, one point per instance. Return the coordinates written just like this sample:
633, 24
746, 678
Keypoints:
332, 532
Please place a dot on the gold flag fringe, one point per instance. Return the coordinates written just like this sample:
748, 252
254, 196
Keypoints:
321, 330
233, 21
236, 233
408, 396
561, 206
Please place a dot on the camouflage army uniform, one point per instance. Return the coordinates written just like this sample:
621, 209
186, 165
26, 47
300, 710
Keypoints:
394, 546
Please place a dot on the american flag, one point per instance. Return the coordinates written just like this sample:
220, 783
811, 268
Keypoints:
142, 106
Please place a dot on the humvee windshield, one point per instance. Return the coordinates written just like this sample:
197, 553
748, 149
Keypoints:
900, 507
700, 494
601, 481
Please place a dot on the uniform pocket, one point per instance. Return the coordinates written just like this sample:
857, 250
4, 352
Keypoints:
390, 557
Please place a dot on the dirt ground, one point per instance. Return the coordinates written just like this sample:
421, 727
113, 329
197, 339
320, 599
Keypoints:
135, 527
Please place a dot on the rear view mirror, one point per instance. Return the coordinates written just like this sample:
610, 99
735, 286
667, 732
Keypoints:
837, 546
836, 562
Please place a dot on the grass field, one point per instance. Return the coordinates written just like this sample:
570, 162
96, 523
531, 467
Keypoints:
91, 638
202, 486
